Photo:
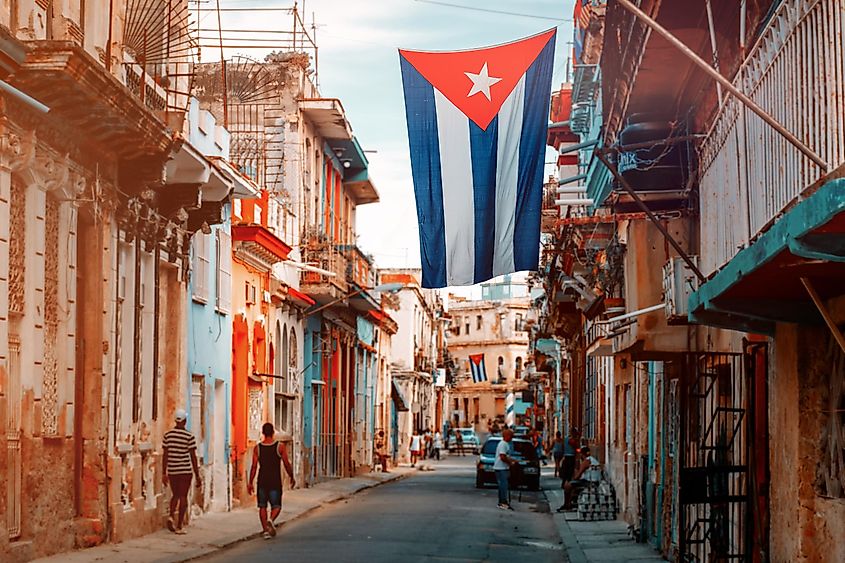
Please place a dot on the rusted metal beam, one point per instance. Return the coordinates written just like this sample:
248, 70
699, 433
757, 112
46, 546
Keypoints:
650, 214
831, 324
727, 84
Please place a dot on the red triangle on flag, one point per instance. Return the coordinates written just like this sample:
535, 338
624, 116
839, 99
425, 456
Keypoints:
467, 78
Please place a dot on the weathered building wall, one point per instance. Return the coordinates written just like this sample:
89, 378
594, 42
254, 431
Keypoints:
647, 251
806, 526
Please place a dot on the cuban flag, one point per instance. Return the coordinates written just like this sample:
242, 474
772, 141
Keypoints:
477, 123
476, 367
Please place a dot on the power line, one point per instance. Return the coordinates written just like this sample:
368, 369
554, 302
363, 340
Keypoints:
488, 10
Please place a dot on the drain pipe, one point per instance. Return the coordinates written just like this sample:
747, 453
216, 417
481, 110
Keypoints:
23, 97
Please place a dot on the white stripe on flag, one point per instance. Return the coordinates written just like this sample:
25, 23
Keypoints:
458, 206
507, 174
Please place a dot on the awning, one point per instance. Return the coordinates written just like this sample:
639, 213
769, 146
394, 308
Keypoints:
242, 186
762, 285
300, 297
328, 117
399, 399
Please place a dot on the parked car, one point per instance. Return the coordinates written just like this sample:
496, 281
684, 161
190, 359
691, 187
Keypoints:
470, 440
525, 473
521, 431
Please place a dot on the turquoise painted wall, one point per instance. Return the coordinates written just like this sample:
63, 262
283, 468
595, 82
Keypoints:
209, 334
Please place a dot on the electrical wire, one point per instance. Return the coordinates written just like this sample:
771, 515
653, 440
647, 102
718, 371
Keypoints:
491, 11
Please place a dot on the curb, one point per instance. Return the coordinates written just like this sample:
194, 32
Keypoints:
202, 552
574, 553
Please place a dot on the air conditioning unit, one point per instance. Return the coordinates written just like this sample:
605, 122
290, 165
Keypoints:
678, 284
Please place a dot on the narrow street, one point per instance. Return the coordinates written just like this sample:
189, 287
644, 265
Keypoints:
430, 516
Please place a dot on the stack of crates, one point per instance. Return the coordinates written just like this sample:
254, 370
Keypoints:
597, 502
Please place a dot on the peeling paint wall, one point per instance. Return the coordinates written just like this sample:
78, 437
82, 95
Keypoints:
804, 525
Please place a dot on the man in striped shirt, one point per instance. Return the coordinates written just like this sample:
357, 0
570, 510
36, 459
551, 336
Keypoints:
180, 461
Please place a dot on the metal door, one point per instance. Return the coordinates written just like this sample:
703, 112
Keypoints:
717, 433
13, 442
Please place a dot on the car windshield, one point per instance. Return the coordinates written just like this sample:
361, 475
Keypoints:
523, 449
490, 447
519, 449
467, 432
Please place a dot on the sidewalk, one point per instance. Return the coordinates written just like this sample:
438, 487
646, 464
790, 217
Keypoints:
215, 531
596, 541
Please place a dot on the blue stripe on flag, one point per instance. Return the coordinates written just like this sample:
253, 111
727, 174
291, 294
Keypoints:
483, 148
425, 168
532, 149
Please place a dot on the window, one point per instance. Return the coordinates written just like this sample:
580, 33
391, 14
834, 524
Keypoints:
201, 267
251, 294
223, 286
466, 327
518, 368
198, 411
517, 325
282, 379
478, 322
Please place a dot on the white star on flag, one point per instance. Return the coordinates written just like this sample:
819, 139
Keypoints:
481, 82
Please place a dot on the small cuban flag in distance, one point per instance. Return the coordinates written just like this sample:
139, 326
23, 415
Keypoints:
476, 368
477, 123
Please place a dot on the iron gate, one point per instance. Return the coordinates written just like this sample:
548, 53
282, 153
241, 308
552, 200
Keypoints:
719, 500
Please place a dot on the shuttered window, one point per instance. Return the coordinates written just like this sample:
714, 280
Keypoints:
201, 266
224, 272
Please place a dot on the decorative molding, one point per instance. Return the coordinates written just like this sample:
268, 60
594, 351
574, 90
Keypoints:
17, 150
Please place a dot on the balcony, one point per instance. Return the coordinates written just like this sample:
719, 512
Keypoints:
330, 283
749, 173
258, 247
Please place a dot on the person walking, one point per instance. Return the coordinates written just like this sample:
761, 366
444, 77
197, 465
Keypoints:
380, 451
267, 458
427, 439
438, 444
502, 466
557, 452
415, 447
179, 463
459, 441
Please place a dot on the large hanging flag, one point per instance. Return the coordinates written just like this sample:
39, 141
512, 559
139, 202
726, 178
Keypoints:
476, 368
477, 124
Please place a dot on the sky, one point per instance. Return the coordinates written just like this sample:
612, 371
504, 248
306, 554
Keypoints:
359, 63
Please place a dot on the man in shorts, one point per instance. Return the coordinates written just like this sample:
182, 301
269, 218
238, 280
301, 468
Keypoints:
267, 458
180, 461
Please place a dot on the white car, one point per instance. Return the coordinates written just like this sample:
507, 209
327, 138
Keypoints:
470, 440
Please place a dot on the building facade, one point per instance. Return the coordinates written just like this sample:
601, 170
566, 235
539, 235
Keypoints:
497, 331
102, 193
693, 288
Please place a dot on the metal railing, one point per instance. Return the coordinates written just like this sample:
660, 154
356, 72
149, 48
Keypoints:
749, 173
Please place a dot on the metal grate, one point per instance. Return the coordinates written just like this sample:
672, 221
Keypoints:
716, 438
157, 35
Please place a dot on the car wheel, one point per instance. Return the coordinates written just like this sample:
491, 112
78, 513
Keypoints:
534, 485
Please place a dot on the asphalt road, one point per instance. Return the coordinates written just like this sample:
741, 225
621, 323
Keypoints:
430, 516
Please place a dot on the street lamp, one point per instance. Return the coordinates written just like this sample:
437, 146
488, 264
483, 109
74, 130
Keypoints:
388, 287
